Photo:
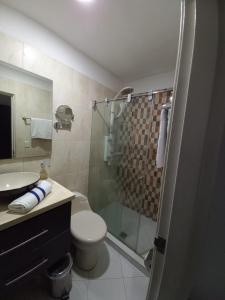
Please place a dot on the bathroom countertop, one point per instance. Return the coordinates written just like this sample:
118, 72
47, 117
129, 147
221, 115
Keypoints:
57, 197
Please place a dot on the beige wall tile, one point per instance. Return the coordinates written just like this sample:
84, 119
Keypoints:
74, 182
82, 125
34, 164
10, 165
79, 156
81, 181
64, 179
59, 158
68, 157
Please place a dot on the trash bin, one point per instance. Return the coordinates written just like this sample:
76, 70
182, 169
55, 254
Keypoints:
60, 278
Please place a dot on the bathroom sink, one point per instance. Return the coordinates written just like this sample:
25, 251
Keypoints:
17, 183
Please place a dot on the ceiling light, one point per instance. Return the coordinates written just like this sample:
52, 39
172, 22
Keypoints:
85, 1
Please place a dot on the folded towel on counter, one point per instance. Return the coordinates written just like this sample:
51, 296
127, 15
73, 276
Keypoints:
160, 156
41, 129
28, 201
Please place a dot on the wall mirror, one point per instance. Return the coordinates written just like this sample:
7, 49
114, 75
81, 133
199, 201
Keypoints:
25, 113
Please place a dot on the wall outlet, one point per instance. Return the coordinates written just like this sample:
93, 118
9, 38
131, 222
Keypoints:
27, 144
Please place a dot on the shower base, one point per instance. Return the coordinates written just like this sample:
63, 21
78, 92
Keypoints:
134, 233
135, 259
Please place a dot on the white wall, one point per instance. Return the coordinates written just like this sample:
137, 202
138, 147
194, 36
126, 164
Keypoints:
25, 29
158, 81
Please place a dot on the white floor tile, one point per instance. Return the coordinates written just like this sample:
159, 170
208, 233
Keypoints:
78, 274
79, 291
129, 270
114, 278
107, 289
136, 288
108, 266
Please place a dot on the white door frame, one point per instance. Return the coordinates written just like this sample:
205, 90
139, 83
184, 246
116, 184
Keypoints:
195, 69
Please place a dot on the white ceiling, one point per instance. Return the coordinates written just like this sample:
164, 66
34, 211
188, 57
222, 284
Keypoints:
130, 38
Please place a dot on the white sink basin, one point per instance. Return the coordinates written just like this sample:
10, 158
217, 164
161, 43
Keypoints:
16, 181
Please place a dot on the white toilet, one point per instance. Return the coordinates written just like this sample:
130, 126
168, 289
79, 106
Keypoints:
88, 230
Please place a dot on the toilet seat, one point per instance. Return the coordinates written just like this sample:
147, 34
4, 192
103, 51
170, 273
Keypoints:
88, 227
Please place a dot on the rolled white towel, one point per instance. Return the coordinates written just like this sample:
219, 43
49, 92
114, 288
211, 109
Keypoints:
45, 185
160, 156
28, 201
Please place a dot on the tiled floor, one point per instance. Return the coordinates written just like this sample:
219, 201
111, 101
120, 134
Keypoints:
114, 278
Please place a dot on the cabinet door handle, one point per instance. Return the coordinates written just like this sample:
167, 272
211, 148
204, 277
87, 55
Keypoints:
7, 284
24, 243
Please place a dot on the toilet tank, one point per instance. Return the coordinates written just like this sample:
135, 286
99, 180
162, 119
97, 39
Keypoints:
79, 203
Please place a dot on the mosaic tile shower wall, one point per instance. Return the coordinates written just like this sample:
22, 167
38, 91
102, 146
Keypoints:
137, 133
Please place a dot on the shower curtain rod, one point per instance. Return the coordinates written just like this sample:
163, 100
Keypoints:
151, 93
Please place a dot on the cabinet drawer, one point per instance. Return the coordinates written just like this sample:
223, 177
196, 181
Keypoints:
21, 243
33, 233
18, 277
57, 247
40, 260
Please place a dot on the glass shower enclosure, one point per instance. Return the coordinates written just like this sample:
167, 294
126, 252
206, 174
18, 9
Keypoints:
124, 183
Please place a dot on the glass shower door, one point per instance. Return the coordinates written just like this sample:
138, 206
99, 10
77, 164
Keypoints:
130, 170
124, 180
103, 191
119, 150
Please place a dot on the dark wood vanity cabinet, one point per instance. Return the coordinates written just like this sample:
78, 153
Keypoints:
33, 245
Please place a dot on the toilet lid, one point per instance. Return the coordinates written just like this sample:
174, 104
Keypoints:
87, 226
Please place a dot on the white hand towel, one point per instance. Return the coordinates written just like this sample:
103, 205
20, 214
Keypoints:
41, 129
160, 156
28, 201
168, 119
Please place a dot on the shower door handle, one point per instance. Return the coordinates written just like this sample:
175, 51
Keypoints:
160, 244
